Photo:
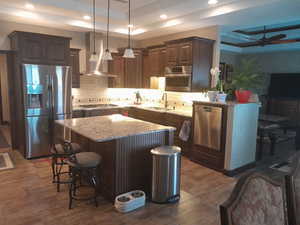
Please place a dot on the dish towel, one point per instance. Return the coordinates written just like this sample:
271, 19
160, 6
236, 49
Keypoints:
185, 130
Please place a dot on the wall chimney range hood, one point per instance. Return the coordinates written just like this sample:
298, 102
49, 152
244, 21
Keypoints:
99, 67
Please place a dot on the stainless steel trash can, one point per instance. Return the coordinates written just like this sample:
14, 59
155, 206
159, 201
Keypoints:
166, 174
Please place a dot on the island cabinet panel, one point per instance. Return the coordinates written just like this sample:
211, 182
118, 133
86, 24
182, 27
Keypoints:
126, 162
74, 64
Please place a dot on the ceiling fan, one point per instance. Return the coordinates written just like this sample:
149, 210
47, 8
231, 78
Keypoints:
264, 40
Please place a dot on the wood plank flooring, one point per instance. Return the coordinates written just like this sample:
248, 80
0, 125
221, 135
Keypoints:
27, 197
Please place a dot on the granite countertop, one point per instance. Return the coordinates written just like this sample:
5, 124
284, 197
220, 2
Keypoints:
106, 128
180, 112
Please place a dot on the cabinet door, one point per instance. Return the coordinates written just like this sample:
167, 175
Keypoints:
74, 64
57, 51
146, 71
116, 67
154, 60
172, 55
133, 72
185, 54
163, 61
32, 48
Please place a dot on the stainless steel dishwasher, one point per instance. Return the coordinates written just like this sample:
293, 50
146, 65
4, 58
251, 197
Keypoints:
208, 126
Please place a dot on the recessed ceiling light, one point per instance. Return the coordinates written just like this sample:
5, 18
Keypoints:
134, 32
130, 25
212, 2
163, 16
86, 17
29, 6
172, 23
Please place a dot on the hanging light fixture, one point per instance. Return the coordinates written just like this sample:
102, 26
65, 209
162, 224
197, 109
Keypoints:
129, 52
107, 54
94, 57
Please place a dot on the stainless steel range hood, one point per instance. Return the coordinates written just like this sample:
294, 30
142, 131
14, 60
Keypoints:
99, 68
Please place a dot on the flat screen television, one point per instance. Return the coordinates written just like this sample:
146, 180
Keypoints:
285, 85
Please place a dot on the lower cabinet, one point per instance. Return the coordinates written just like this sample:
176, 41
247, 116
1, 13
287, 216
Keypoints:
167, 119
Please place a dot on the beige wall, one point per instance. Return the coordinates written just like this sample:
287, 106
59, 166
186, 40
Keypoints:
4, 88
208, 32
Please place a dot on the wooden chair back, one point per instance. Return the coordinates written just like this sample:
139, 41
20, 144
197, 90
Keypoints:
293, 192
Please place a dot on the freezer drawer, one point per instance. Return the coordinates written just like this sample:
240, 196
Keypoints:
37, 136
208, 126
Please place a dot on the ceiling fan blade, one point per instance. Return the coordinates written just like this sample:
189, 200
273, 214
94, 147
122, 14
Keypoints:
250, 44
276, 37
288, 41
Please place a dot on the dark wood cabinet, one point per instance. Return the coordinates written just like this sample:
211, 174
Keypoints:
129, 72
31, 48
185, 56
146, 70
116, 67
74, 64
172, 54
41, 48
154, 63
196, 52
167, 119
154, 58
134, 71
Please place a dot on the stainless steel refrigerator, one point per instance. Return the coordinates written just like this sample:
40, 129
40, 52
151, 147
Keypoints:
47, 97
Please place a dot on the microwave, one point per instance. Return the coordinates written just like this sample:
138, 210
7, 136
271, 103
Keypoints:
178, 78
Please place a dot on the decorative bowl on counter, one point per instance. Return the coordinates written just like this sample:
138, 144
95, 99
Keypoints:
130, 201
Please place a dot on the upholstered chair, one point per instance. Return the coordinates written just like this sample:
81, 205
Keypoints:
293, 192
255, 200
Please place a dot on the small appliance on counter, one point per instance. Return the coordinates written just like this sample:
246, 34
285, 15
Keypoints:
130, 201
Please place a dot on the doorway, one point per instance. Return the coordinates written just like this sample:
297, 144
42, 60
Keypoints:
5, 118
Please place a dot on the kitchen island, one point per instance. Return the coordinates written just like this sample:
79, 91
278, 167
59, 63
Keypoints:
124, 144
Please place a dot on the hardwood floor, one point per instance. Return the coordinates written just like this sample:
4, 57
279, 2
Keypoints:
28, 197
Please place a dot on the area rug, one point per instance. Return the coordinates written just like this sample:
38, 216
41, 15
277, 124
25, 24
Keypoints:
5, 161
3, 141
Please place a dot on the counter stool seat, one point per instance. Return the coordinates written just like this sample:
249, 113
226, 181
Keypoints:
85, 160
60, 152
83, 167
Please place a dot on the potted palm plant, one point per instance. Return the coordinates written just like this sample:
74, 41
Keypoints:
246, 79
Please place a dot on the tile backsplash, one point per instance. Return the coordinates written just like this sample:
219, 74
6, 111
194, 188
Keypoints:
94, 90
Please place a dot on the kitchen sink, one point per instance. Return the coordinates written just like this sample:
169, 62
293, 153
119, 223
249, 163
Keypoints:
159, 108
98, 106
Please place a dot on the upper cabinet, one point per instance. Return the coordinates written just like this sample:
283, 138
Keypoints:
74, 64
128, 72
157, 60
185, 54
196, 52
41, 48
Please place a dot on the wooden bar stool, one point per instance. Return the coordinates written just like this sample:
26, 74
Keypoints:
60, 152
83, 168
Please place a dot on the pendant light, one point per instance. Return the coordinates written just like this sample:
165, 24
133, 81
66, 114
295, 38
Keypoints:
107, 54
94, 57
129, 52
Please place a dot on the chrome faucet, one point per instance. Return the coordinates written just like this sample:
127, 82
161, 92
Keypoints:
165, 99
